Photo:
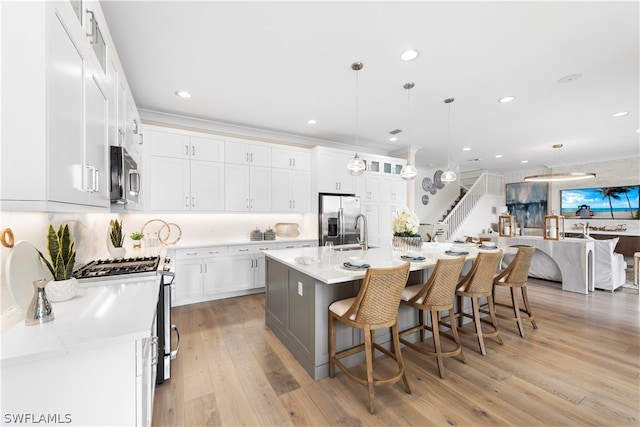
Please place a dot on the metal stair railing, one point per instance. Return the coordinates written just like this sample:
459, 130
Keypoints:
487, 184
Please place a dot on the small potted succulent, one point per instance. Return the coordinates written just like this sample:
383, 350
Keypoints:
136, 236
116, 239
62, 253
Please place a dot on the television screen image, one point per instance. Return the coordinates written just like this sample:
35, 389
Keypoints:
601, 203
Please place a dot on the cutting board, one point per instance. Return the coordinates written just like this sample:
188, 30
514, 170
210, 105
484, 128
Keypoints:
23, 267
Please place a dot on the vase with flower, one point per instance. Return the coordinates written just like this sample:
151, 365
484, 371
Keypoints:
405, 231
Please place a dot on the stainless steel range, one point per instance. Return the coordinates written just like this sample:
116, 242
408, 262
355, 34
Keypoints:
114, 267
135, 268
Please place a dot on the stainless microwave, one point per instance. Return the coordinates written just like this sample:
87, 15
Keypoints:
125, 177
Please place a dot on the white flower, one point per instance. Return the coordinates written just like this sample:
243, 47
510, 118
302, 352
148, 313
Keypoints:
406, 224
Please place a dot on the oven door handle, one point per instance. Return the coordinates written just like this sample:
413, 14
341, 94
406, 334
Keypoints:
174, 353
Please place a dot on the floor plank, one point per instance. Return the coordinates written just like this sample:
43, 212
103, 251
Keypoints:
581, 367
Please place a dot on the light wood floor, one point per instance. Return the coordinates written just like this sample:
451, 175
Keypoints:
581, 367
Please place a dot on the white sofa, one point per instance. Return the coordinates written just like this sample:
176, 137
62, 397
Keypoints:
609, 266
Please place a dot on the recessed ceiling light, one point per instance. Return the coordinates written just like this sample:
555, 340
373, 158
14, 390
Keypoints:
506, 99
570, 78
498, 156
524, 161
393, 139
466, 149
183, 94
409, 55
311, 122
620, 114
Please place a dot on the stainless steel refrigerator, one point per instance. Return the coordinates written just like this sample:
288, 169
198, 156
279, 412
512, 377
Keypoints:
337, 218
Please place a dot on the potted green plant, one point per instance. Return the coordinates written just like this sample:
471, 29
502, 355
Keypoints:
61, 248
116, 238
136, 236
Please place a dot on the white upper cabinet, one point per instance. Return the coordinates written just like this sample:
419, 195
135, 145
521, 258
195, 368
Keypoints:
290, 158
186, 172
248, 189
60, 112
245, 153
330, 171
290, 190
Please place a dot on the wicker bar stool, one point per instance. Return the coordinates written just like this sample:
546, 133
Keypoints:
375, 307
515, 277
434, 297
478, 283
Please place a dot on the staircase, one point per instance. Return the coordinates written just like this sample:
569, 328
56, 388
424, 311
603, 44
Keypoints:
463, 191
488, 183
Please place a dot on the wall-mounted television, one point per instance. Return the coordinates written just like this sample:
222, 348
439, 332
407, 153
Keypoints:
620, 203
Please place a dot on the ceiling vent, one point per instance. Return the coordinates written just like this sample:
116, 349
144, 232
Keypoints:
395, 131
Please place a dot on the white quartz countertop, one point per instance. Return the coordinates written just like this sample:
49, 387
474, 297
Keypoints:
331, 270
102, 312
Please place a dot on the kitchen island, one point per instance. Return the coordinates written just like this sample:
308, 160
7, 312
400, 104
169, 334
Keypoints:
301, 284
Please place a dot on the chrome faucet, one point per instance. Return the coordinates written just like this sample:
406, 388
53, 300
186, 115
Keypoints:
362, 242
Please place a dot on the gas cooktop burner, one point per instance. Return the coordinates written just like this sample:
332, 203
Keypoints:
114, 267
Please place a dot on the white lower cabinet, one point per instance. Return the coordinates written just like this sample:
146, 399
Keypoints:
201, 274
247, 267
216, 272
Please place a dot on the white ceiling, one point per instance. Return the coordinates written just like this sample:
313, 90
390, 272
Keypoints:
274, 65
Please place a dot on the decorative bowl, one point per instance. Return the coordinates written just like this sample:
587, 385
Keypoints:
356, 260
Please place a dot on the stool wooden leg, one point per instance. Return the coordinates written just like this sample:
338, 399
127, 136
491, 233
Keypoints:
396, 345
476, 319
516, 310
494, 321
456, 338
368, 351
436, 341
332, 344
527, 308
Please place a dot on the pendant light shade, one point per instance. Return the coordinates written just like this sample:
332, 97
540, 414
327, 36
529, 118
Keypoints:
556, 177
409, 171
356, 165
449, 175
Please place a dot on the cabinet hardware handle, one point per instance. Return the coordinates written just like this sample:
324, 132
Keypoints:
251, 157
201, 269
154, 351
294, 204
191, 253
193, 151
246, 155
186, 201
290, 164
93, 25
294, 162
193, 202
135, 127
247, 204
174, 353
243, 250
205, 268
134, 182
186, 149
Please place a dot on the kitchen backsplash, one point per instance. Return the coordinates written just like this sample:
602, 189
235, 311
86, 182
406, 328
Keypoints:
90, 231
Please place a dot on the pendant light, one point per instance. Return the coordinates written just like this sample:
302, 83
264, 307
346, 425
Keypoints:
449, 175
356, 166
408, 172
555, 177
